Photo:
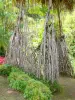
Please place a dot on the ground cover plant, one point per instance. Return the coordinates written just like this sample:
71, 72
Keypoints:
31, 88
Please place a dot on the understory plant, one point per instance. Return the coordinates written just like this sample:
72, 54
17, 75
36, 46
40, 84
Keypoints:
5, 70
31, 88
36, 90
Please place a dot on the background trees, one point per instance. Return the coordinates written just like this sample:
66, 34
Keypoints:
7, 21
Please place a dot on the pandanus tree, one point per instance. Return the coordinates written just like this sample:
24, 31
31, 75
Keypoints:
64, 63
63, 59
47, 62
55, 53
13, 55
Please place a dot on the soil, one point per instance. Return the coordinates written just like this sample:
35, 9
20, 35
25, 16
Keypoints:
6, 93
68, 93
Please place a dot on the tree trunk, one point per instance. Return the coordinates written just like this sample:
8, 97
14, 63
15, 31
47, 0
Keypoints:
46, 65
13, 55
59, 20
64, 63
49, 56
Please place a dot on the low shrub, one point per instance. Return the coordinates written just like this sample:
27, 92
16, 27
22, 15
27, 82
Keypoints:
32, 89
16, 69
5, 69
55, 87
18, 80
36, 90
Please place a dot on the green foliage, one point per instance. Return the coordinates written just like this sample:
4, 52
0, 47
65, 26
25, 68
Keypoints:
5, 70
55, 87
36, 90
7, 21
16, 69
18, 80
32, 89
36, 28
38, 11
69, 31
2, 51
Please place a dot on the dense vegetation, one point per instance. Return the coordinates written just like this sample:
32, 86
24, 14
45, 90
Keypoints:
38, 37
18, 80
